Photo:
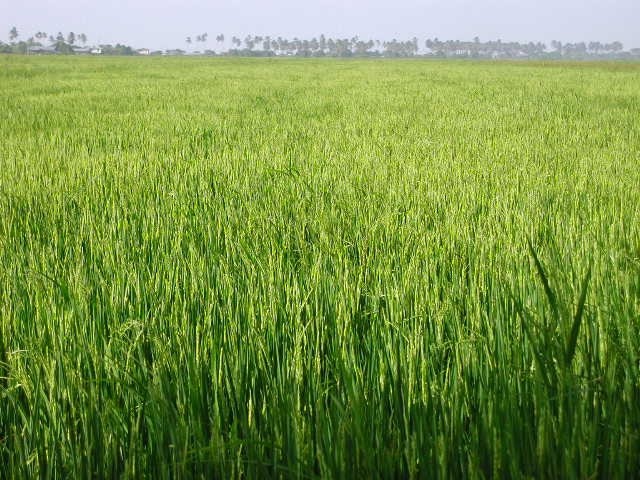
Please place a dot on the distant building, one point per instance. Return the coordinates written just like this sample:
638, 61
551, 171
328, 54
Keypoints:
143, 51
40, 50
96, 51
81, 50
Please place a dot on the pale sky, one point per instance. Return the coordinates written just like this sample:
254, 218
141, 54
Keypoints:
161, 24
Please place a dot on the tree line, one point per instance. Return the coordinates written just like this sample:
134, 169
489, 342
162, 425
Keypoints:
322, 46
59, 43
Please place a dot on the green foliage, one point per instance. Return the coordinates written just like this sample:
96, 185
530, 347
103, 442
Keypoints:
118, 49
225, 268
13, 34
63, 47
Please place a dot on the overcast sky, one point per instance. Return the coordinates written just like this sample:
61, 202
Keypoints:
165, 23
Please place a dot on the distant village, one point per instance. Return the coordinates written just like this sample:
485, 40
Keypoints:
42, 43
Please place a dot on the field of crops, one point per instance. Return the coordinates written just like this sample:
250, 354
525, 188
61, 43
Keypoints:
318, 268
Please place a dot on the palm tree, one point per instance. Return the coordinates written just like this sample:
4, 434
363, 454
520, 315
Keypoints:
220, 38
83, 38
71, 38
595, 47
30, 43
13, 34
266, 44
314, 45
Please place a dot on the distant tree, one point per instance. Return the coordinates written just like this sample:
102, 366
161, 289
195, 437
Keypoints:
256, 45
314, 45
331, 46
60, 38
13, 34
542, 47
202, 38
62, 47
31, 42
83, 38
118, 49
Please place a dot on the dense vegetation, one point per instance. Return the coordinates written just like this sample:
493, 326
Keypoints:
304, 268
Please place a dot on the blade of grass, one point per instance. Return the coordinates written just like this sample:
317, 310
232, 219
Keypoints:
545, 282
577, 320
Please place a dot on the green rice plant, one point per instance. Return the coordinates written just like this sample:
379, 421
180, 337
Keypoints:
315, 268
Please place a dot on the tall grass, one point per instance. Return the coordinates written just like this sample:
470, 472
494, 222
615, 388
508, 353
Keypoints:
300, 269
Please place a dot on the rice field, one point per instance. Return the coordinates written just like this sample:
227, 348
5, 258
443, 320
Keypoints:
285, 268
